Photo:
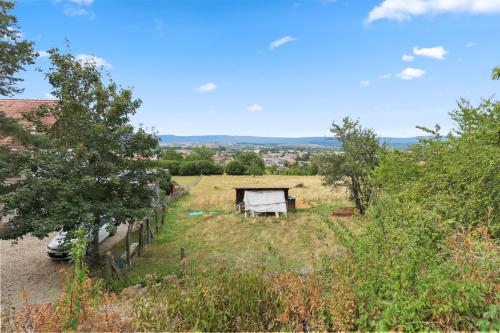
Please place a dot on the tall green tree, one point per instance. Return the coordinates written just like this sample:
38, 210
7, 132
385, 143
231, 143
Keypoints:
351, 166
15, 53
235, 168
94, 163
170, 154
201, 153
253, 163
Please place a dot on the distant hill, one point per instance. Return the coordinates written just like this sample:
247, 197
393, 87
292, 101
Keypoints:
259, 140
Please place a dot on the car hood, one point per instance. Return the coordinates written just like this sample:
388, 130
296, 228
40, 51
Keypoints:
59, 241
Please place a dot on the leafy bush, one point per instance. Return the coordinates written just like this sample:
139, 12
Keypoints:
190, 168
170, 154
428, 257
225, 300
193, 168
173, 167
253, 163
235, 168
202, 153
457, 178
211, 301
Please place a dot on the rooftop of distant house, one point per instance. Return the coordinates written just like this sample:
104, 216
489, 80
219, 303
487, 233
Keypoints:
15, 108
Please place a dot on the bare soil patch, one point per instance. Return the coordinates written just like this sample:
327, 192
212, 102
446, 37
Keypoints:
26, 265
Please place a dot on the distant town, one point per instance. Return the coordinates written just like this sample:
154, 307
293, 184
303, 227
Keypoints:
277, 153
279, 156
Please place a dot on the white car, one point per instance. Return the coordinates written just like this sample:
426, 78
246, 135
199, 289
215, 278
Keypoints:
58, 247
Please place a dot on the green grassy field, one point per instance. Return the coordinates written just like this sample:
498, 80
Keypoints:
292, 243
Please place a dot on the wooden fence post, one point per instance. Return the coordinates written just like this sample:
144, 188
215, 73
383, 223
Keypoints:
149, 232
111, 267
157, 220
127, 245
163, 214
141, 240
108, 270
183, 262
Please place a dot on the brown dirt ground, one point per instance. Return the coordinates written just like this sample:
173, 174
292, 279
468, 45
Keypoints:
26, 265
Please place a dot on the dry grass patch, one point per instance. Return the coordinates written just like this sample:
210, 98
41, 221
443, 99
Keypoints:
217, 192
184, 180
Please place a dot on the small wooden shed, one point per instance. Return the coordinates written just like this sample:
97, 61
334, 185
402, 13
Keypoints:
259, 195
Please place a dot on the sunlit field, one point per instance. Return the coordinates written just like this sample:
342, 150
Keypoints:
220, 233
217, 192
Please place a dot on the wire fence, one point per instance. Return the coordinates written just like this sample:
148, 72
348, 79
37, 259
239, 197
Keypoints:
143, 234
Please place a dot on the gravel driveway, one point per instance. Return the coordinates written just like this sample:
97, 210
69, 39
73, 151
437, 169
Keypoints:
26, 265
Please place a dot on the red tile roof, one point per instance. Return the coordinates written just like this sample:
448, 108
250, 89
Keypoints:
15, 108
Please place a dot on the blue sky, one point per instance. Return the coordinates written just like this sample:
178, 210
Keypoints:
278, 67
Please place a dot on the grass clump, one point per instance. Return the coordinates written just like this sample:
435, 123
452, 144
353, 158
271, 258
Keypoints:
222, 299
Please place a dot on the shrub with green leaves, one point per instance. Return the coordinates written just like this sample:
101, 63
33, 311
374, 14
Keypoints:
216, 300
235, 168
427, 257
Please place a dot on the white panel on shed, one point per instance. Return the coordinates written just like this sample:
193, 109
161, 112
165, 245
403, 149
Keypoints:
265, 201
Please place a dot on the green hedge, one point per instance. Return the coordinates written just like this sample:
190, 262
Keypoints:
190, 168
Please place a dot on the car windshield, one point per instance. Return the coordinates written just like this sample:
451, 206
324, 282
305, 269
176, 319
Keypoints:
102, 222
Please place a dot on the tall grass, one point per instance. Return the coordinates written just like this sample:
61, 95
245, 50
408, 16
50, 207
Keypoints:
221, 299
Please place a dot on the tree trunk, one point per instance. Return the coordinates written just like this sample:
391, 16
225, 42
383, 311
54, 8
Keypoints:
356, 195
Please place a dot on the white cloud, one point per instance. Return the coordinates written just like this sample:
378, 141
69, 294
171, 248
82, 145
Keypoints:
280, 42
255, 108
43, 54
407, 57
206, 88
91, 59
402, 10
385, 76
364, 83
82, 2
70, 11
410, 73
470, 44
76, 8
437, 52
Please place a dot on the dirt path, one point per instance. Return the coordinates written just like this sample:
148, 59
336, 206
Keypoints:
26, 265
